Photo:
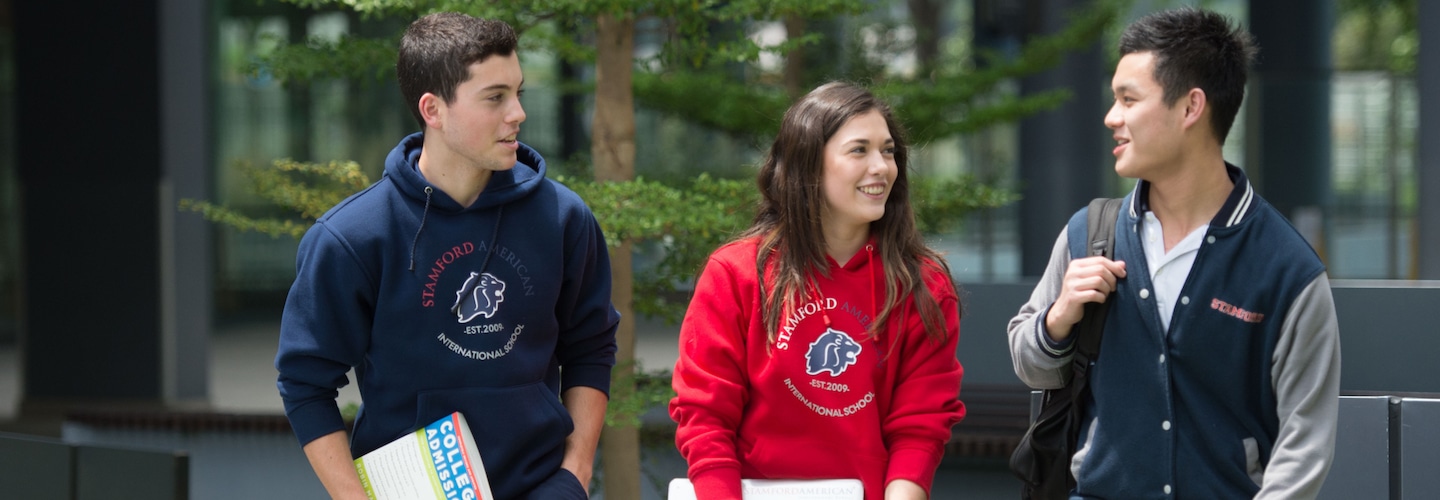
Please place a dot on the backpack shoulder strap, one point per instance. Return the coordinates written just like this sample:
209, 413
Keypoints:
1100, 218
1092, 229
1102, 215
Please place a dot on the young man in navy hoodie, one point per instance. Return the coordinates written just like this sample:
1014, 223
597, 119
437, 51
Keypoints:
1219, 369
463, 280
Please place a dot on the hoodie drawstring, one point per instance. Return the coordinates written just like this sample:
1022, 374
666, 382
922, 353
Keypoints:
494, 238
423, 215
494, 233
874, 308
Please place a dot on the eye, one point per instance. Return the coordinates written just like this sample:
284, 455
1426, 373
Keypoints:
858, 149
520, 93
890, 151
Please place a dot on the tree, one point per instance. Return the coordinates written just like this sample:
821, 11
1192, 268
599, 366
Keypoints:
703, 49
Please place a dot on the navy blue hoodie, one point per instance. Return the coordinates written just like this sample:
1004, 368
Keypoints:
442, 308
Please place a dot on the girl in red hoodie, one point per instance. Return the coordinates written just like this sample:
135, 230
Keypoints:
820, 344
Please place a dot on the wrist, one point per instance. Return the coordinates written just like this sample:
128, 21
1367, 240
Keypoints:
1049, 343
903, 489
1054, 327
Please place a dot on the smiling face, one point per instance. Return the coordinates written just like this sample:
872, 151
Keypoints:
859, 171
1149, 132
480, 126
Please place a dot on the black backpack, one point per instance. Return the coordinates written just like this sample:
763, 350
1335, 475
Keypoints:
1042, 460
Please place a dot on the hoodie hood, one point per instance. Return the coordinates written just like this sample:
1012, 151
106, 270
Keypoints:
505, 186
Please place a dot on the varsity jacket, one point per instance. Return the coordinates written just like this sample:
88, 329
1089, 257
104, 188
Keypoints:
825, 400
1238, 399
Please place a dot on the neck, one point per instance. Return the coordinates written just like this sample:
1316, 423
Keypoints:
1191, 197
450, 174
843, 243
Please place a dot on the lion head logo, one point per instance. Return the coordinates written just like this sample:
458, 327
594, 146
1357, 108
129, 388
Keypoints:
834, 351
481, 295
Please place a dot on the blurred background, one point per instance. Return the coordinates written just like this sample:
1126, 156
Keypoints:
122, 308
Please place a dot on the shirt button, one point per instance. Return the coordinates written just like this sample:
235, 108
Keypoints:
1167, 489
1144, 293
1185, 300
1165, 425
1162, 359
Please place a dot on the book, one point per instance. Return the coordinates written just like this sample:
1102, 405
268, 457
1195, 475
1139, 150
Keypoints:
437, 461
782, 489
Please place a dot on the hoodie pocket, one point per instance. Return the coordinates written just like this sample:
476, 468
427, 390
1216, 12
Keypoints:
520, 431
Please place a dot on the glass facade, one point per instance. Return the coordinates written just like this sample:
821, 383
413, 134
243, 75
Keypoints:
1375, 119
260, 119
1367, 231
10, 265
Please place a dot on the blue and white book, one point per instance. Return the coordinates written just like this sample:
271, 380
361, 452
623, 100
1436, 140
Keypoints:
437, 461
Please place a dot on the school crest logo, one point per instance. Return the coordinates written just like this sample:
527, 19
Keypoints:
834, 351
481, 295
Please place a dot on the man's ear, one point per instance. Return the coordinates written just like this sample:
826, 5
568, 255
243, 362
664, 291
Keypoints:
1195, 105
431, 110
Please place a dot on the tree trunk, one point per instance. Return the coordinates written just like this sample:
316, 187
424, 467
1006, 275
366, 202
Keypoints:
613, 151
925, 16
795, 59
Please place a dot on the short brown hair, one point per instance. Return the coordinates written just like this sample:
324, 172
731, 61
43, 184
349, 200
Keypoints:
438, 49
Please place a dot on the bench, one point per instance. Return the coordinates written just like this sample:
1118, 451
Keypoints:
1386, 445
996, 417
40, 468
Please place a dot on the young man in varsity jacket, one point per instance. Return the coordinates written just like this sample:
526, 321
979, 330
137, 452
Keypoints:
1219, 369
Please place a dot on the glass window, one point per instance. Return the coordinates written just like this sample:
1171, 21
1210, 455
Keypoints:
9, 222
9, 201
260, 119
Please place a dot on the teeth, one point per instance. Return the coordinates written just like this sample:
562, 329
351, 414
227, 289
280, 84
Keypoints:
872, 189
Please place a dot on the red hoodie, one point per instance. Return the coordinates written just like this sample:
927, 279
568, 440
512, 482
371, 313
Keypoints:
821, 402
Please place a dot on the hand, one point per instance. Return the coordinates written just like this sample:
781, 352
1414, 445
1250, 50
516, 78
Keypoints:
904, 489
581, 473
1087, 280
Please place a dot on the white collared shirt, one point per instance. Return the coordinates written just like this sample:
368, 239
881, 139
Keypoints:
1169, 270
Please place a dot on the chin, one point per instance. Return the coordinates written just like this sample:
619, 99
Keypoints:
1124, 169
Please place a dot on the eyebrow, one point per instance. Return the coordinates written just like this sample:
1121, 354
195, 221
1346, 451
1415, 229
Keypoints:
1124, 87
502, 86
865, 141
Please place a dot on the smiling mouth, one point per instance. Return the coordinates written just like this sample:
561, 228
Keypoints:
872, 190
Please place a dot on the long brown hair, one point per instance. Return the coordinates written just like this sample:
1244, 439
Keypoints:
792, 201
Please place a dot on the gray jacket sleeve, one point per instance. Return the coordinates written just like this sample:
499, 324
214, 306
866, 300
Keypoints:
1039, 361
1306, 377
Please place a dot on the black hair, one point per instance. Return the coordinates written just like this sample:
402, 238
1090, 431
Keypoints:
1196, 48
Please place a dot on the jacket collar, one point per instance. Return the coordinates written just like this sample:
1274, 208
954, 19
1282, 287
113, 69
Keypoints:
1238, 206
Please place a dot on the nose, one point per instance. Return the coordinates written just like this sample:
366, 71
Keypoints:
879, 163
516, 113
1113, 118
